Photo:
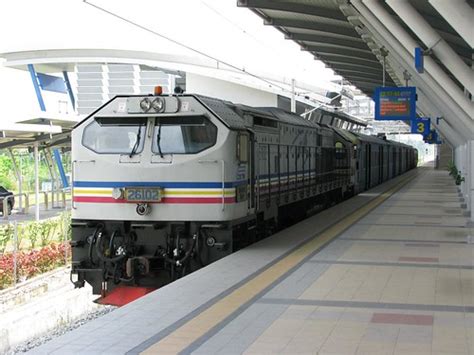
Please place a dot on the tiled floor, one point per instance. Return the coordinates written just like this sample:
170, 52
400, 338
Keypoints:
398, 281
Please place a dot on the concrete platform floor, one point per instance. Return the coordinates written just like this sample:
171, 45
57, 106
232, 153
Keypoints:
387, 272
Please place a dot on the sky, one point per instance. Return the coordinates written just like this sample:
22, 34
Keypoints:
217, 28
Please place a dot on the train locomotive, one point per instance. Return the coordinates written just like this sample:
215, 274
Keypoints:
165, 184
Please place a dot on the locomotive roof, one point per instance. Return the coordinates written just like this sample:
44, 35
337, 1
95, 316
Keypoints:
347, 135
232, 114
223, 109
288, 117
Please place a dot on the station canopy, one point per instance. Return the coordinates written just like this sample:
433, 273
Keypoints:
43, 130
332, 32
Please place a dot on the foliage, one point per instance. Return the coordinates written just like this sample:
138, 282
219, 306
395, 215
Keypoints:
65, 225
31, 263
6, 172
6, 234
34, 261
455, 173
25, 162
459, 178
33, 232
47, 229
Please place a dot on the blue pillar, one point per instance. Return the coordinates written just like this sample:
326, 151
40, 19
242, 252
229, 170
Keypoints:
69, 90
34, 79
59, 163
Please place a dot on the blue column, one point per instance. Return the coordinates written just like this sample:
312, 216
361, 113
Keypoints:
59, 163
69, 90
34, 79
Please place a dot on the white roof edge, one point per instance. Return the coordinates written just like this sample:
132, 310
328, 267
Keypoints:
30, 128
64, 59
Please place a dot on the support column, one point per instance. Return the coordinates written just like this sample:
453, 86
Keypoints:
293, 99
469, 176
37, 207
470, 224
20, 181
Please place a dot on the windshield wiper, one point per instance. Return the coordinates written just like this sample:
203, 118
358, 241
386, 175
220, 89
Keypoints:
137, 142
158, 138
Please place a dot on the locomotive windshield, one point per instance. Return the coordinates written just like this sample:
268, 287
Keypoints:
115, 135
183, 135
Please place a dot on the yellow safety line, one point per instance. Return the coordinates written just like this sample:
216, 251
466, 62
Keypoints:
198, 326
93, 192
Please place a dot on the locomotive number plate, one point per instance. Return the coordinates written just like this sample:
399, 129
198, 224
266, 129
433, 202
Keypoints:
143, 194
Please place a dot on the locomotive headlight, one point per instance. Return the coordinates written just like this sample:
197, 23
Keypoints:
145, 104
158, 104
117, 193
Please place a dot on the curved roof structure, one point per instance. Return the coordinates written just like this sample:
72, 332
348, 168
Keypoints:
57, 60
320, 27
367, 41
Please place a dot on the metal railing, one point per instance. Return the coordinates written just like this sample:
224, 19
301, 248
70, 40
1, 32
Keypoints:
26, 198
5, 206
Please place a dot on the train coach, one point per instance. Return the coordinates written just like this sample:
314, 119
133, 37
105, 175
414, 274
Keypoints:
163, 185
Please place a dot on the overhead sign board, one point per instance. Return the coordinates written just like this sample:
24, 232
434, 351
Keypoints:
432, 138
395, 103
421, 126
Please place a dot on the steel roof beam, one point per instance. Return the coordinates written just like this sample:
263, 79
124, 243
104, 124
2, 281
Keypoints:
334, 59
322, 39
293, 7
341, 30
29, 142
372, 75
459, 15
357, 68
351, 77
433, 40
346, 52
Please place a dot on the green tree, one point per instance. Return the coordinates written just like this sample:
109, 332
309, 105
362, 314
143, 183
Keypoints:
6, 169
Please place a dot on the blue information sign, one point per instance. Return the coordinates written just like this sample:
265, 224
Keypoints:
421, 126
432, 138
419, 61
395, 103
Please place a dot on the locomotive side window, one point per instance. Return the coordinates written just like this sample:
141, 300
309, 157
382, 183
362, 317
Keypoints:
183, 135
242, 147
115, 135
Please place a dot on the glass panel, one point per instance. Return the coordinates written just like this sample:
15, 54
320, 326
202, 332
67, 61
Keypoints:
183, 135
115, 135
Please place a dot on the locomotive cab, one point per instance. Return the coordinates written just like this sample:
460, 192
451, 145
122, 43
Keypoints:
156, 181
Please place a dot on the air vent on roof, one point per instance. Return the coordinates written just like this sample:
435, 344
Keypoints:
261, 121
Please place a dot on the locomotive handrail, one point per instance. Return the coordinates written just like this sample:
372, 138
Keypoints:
222, 176
74, 162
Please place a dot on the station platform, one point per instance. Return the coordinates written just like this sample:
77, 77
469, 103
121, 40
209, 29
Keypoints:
45, 213
386, 272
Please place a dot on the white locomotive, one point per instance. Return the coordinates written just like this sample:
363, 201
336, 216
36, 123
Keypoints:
163, 185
